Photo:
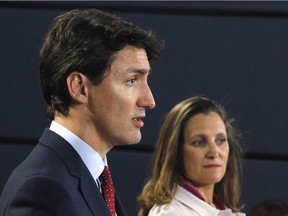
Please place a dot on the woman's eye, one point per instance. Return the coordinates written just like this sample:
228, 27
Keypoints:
198, 142
221, 140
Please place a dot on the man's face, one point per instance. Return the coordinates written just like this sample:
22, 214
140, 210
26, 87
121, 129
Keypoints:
117, 105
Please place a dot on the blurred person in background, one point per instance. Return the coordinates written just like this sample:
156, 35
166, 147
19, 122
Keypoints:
271, 208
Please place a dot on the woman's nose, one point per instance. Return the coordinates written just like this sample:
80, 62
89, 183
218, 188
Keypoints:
212, 150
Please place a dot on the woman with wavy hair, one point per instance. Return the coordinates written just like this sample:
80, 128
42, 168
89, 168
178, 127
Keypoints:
196, 163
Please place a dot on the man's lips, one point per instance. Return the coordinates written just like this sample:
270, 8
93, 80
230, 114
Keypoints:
138, 122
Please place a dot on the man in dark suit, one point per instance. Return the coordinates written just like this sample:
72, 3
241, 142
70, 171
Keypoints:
93, 69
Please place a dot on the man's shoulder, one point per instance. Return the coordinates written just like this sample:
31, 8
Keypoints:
42, 160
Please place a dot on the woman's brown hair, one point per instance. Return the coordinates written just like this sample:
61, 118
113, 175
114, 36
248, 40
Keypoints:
167, 161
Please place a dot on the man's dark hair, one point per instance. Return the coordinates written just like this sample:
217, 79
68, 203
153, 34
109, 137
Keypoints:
85, 40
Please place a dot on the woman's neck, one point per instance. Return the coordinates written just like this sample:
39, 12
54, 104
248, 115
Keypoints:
205, 192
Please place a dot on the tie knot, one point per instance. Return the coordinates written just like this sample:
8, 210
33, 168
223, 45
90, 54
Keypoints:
106, 177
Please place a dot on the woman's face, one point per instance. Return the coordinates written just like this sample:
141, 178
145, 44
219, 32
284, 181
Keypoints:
205, 149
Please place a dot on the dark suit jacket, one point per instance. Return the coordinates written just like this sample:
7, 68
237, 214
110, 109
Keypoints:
53, 181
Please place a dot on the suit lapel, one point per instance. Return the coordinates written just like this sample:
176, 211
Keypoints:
77, 168
93, 197
119, 207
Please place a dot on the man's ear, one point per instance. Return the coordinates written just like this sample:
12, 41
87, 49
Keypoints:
76, 86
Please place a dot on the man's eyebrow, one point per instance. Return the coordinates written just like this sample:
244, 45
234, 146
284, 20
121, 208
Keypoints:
139, 71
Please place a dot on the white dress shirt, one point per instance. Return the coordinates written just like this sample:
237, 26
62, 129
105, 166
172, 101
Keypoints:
90, 157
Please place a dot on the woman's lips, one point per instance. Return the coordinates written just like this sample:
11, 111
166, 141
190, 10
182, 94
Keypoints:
212, 166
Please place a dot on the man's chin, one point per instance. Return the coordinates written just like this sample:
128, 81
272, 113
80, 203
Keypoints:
135, 141
131, 140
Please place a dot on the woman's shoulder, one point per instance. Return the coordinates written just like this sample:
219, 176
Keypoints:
174, 208
162, 210
239, 214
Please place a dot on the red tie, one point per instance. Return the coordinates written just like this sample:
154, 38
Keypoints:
108, 190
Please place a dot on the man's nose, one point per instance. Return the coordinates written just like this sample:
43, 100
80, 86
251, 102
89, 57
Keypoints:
147, 100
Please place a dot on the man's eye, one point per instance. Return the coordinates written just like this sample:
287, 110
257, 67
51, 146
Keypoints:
131, 81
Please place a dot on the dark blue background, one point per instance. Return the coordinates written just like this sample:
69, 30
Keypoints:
233, 52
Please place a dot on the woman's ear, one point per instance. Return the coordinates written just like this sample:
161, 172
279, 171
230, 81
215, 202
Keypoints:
76, 86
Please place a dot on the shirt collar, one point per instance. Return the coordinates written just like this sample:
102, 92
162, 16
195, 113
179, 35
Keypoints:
188, 185
90, 157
